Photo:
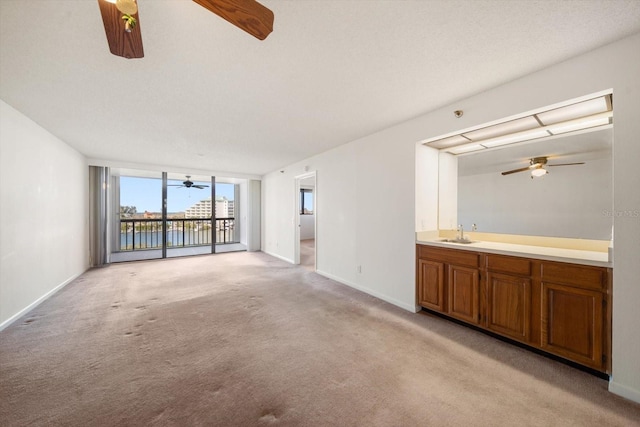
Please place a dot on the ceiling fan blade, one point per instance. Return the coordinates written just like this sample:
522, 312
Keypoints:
567, 164
248, 15
121, 43
199, 186
517, 170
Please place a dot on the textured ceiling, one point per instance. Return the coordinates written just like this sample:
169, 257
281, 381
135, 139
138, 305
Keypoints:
208, 96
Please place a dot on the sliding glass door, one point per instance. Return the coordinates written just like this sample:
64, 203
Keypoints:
161, 215
190, 220
227, 225
137, 215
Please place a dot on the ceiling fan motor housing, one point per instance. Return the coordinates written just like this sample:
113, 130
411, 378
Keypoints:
539, 161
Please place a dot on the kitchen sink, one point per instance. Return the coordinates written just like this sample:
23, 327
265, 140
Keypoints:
461, 241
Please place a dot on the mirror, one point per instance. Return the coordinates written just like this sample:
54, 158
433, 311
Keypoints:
570, 201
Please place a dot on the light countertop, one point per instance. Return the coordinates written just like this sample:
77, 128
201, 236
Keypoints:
599, 259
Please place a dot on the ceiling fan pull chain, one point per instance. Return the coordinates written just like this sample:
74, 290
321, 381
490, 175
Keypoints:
129, 22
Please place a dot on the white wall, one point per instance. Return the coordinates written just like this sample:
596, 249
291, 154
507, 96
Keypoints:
365, 205
568, 202
448, 191
426, 198
44, 239
368, 191
307, 227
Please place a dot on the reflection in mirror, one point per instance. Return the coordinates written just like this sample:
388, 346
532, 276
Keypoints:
571, 201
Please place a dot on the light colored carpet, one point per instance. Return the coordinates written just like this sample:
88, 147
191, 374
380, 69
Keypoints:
308, 254
245, 339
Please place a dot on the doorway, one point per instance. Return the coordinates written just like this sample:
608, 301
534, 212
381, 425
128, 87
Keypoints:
306, 192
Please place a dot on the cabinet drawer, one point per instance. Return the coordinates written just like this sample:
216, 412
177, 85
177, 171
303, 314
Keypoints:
509, 264
449, 256
576, 275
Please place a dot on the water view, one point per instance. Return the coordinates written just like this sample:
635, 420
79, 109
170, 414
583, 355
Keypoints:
147, 234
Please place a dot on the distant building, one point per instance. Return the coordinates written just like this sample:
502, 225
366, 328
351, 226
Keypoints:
202, 209
151, 215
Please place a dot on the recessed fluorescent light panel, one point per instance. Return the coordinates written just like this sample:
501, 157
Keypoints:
582, 115
583, 123
575, 111
465, 148
515, 137
501, 129
451, 141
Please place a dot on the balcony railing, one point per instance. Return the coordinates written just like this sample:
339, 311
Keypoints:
136, 234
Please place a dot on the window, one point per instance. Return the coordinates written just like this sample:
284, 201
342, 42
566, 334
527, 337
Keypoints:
306, 201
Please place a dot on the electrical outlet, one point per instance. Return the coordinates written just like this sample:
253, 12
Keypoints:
359, 269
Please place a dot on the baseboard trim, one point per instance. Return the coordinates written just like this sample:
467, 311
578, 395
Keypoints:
290, 261
624, 391
408, 307
37, 302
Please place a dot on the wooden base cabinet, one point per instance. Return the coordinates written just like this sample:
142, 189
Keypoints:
575, 322
431, 284
557, 307
572, 323
464, 293
509, 305
448, 281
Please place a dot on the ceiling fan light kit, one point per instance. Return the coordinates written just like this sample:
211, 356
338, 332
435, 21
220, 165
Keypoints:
127, 7
121, 22
538, 172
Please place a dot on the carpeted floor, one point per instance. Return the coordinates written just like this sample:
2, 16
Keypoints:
244, 339
308, 254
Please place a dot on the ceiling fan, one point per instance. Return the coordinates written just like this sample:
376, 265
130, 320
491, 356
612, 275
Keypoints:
536, 167
122, 23
188, 184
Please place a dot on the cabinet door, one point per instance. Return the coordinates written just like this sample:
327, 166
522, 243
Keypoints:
572, 323
509, 305
464, 290
431, 285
